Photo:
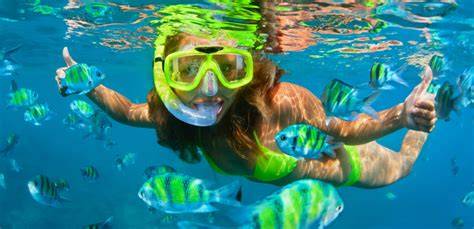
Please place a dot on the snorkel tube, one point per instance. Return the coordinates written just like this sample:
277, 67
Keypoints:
202, 116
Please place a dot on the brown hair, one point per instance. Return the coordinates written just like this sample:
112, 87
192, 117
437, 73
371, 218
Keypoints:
237, 124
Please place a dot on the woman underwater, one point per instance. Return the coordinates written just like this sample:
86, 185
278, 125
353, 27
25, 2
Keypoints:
221, 110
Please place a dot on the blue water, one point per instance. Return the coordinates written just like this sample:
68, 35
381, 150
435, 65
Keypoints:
429, 198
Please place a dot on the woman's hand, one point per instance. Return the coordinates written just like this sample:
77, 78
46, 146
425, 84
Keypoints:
61, 72
419, 109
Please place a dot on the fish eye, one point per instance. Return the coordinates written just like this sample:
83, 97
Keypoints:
283, 137
339, 208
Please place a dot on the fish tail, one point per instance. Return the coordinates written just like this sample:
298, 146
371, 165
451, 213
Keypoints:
228, 195
10, 52
398, 79
108, 223
13, 85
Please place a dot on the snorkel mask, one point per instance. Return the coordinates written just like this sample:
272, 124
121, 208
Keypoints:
184, 70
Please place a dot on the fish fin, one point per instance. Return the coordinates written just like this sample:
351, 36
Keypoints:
10, 52
206, 208
63, 199
228, 195
387, 87
107, 223
13, 85
370, 111
362, 85
399, 80
371, 98
321, 225
192, 225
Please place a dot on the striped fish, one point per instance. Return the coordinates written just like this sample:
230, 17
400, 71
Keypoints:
90, 173
38, 113
73, 121
464, 83
178, 193
381, 75
21, 97
341, 100
107, 224
438, 65
80, 79
62, 185
307, 141
44, 191
433, 88
82, 108
445, 101
301, 204
8, 65
10, 143
152, 171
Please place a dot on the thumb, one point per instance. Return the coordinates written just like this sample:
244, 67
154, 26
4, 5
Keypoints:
67, 58
425, 83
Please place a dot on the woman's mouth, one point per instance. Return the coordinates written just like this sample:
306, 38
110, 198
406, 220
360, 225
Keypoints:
205, 104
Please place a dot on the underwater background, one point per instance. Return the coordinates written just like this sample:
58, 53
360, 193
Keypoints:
118, 38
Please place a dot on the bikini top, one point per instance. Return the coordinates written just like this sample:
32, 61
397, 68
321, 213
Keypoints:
273, 165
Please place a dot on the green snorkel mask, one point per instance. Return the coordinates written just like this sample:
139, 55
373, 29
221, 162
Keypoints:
184, 70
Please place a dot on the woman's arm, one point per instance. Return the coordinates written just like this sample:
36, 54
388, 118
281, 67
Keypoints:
295, 104
380, 166
120, 108
112, 102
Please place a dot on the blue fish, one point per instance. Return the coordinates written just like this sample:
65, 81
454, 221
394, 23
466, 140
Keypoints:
8, 65
342, 100
80, 79
381, 75
44, 191
73, 121
38, 113
466, 88
302, 204
107, 224
99, 126
20, 97
306, 141
438, 65
10, 143
82, 108
446, 101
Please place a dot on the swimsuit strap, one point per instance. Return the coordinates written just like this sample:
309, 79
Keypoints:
272, 165
356, 167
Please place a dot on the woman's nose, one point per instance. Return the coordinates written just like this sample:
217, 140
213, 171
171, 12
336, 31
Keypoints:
209, 85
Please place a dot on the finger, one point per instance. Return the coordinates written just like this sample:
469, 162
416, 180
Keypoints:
61, 72
67, 58
425, 83
423, 114
424, 104
426, 123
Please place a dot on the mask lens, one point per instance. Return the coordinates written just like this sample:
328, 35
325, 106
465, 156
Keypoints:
232, 66
184, 69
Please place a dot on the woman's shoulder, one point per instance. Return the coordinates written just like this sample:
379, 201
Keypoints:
291, 103
288, 94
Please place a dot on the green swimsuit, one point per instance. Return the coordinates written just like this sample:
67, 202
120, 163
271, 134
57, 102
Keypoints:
272, 165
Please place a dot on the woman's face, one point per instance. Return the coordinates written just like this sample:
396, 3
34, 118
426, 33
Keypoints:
210, 90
